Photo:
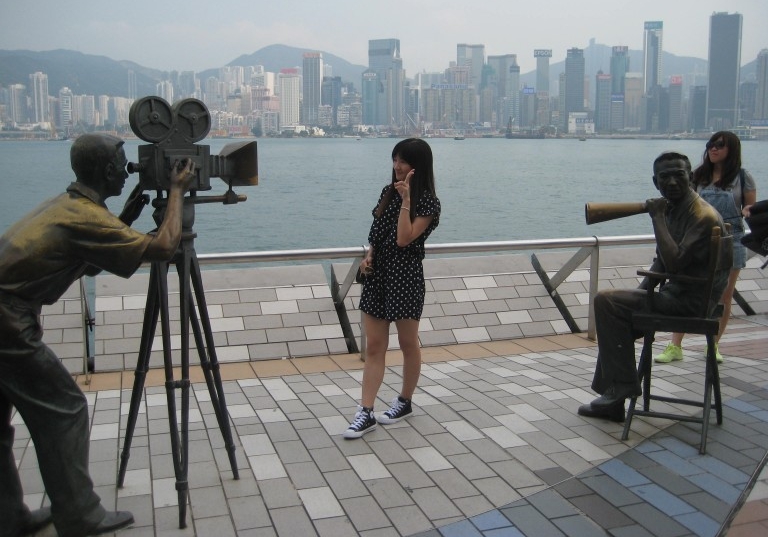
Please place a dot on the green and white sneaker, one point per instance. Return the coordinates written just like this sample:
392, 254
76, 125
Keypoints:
673, 353
718, 356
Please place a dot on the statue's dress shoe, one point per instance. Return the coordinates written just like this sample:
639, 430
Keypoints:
112, 521
612, 413
37, 520
615, 395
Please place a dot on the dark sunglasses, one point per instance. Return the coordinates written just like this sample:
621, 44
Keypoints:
719, 144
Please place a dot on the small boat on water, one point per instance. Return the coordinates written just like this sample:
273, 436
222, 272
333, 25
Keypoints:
529, 134
458, 137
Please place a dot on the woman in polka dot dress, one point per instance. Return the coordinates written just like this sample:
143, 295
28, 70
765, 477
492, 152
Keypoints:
393, 291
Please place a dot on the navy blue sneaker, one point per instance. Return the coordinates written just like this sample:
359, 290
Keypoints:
401, 408
364, 422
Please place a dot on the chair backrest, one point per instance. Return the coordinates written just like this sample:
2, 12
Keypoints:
720, 260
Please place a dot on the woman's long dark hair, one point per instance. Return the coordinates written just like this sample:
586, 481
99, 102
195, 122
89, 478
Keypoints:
702, 176
417, 153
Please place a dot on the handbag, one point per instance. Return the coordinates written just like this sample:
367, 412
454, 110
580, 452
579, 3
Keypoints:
359, 277
362, 277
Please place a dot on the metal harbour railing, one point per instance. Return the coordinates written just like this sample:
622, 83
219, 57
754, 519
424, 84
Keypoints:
587, 248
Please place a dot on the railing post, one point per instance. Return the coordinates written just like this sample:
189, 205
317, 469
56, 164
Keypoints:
594, 280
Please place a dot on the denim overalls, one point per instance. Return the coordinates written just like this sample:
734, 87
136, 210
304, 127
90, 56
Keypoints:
725, 204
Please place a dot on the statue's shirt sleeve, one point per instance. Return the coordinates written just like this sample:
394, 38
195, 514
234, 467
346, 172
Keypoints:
46, 251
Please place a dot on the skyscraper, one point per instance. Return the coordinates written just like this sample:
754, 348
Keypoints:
697, 108
383, 84
652, 54
633, 99
17, 100
724, 65
542, 69
501, 84
312, 82
40, 110
761, 98
131, 84
66, 108
574, 83
513, 94
675, 91
472, 56
602, 102
619, 68
289, 87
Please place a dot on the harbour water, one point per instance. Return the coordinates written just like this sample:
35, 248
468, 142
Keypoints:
318, 193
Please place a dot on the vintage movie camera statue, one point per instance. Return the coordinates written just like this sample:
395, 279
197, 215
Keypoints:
172, 132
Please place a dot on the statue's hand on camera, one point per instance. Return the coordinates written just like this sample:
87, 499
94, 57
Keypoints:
135, 203
183, 174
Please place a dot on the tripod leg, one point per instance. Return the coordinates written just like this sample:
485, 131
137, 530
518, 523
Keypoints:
179, 440
158, 271
210, 365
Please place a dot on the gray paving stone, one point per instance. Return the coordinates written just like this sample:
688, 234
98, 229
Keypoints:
531, 522
279, 493
292, 521
365, 514
602, 511
208, 502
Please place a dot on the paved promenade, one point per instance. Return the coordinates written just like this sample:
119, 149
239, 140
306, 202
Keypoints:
494, 448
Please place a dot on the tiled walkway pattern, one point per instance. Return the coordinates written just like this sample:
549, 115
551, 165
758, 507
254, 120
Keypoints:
495, 448
272, 313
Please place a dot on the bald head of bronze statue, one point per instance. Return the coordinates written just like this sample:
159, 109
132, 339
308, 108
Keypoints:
99, 162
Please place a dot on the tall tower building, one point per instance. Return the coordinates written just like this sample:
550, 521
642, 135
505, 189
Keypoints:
513, 94
499, 81
330, 94
724, 65
164, 89
40, 110
761, 98
383, 84
633, 101
131, 84
697, 108
619, 68
675, 92
472, 56
17, 97
542, 69
66, 108
574, 83
652, 54
602, 102
289, 86
312, 83
188, 85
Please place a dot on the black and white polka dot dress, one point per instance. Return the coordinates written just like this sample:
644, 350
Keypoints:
395, 290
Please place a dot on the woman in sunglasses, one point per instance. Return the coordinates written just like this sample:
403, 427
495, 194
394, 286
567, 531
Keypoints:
730, 189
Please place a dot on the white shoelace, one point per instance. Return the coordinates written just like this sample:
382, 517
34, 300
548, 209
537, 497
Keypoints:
397, 406
360, 418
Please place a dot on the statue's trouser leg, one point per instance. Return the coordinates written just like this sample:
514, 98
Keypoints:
53, 407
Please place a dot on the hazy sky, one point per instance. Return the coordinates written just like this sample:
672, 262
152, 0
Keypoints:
196, 35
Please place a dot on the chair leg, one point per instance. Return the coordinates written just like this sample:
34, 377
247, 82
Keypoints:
716, 389
710, 373
646, 359
643, 376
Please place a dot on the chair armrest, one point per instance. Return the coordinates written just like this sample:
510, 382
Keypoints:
663, 276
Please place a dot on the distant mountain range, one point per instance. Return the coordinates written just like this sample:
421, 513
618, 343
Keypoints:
98, 75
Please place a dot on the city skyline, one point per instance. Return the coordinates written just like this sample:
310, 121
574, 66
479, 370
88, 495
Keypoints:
198, 36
